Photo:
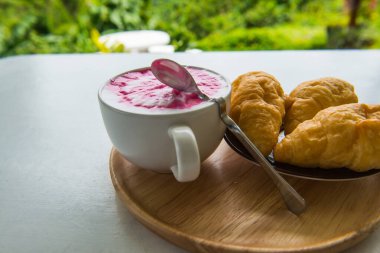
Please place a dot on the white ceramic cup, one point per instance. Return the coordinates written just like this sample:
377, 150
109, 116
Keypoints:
174, 142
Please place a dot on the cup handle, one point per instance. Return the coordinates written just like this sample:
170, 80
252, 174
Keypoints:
186, 148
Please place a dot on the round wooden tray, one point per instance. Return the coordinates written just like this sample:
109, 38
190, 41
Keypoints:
234, 207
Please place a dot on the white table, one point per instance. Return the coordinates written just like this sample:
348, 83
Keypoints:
55, 191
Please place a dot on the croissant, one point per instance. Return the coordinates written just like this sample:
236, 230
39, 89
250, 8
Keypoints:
341, 136
310, 97
258, 107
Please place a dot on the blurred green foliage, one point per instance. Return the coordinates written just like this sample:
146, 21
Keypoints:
74, 26
276, 38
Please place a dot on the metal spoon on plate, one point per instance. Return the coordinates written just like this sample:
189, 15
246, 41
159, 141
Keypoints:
176, 76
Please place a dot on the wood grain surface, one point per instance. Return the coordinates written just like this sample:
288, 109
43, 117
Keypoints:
234, 207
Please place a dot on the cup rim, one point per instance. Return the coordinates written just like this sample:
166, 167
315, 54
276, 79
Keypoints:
206, 105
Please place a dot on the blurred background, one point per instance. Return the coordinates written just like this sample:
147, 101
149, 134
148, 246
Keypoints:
77, 26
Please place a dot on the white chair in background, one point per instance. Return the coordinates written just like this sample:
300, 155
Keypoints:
139, 41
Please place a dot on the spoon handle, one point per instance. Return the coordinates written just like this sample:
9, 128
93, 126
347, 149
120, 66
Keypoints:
294, 202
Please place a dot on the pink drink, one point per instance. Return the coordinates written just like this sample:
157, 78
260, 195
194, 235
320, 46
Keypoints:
140, 91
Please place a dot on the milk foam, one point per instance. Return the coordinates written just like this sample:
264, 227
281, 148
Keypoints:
141, 92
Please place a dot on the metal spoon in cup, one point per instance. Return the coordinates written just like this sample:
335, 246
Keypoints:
176, 76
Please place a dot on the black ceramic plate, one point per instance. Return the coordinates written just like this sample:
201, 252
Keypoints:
308, 173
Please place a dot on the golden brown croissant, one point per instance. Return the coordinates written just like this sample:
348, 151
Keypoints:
341, 136
310, 97
258, 106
